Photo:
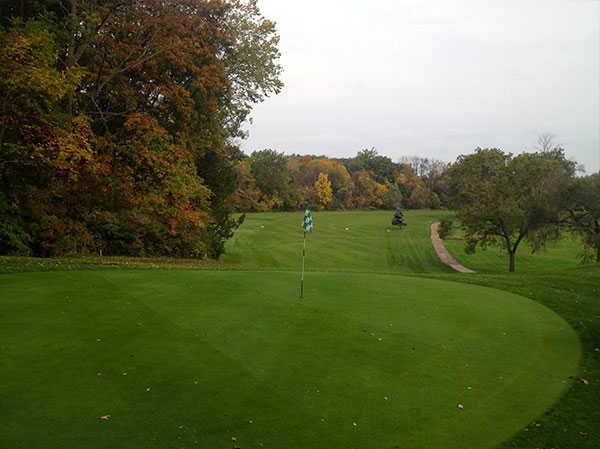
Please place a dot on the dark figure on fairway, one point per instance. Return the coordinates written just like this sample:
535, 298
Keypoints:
398, 218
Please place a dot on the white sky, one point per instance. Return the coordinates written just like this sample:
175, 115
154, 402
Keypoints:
433, 78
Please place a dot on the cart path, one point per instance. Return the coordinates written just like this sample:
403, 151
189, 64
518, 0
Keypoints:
443, 253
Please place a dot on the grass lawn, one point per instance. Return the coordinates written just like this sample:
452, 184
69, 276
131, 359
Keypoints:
564, 254
385, 347
343, 241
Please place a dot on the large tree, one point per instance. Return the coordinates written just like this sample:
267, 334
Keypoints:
118, 126
504, 199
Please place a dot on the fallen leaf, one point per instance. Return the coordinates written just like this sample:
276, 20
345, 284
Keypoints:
585, 381
105, 417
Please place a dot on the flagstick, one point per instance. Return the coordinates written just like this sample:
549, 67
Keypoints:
302, 277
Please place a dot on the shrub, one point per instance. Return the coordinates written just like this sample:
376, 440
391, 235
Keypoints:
398, 218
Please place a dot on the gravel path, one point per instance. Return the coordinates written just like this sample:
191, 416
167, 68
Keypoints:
443, 253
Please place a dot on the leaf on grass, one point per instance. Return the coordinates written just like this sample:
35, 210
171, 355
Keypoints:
105, 417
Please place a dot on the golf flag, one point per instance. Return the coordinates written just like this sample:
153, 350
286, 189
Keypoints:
307, 225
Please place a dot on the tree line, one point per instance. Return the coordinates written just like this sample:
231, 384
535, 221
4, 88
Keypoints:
268, 180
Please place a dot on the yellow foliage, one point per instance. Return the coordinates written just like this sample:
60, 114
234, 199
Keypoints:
323, 189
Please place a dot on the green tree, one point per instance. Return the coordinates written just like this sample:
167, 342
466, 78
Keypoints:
505, 199
251, 62
270, 170
382, 167
583, 207
395, 197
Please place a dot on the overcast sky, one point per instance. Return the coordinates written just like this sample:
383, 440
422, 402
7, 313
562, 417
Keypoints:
433, 78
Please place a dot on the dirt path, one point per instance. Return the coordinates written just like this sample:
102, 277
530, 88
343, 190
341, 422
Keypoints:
443, 253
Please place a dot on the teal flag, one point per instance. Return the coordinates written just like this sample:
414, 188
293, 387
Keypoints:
307, 224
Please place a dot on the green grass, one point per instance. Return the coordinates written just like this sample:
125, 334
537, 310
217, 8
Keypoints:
572, 422
229, 351
343, 241
564, 254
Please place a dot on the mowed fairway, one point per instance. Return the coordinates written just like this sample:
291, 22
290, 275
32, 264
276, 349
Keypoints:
217, 359
343, 241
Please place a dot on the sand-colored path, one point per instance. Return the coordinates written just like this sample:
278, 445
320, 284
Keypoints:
443, 253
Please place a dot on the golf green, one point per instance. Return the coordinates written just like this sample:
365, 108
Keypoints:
216, 359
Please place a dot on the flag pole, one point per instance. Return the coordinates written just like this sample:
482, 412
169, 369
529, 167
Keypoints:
302, 276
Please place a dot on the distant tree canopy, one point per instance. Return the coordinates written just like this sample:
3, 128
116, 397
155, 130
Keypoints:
505, 199
118, 118
274, 181
382, 167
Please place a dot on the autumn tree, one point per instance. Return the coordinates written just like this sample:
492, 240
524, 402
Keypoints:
323, 190
368, 193
42, 151
420, 197
504, 199
247, 196
309, 169
126, 113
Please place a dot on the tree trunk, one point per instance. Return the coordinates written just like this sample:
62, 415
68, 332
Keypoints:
511, 261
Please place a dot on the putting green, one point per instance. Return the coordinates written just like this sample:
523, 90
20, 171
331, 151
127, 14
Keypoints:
197, 358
